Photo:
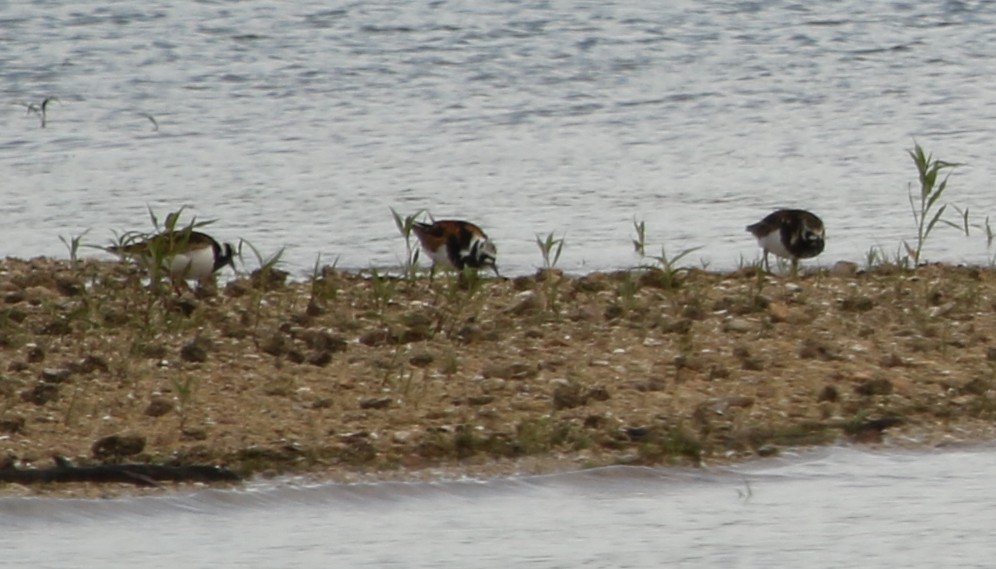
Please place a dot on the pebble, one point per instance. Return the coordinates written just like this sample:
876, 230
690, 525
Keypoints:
738, 325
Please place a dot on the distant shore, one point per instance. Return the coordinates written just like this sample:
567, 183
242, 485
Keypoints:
348, 377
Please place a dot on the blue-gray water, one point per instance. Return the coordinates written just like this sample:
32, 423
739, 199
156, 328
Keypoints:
299, 124
831, 508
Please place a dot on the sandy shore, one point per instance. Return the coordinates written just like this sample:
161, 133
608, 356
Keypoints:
350, 377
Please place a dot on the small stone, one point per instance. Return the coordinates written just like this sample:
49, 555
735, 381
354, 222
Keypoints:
195, 350
56, 327
719, 372
376, 403
55, 375
42, 393
879, 386
14, 297
977, 386
478, 400
991, 354
35, 353
682, 326
90, 364
721, 406
844, 269
194, 434
69, 286
652, 384
12, 425
738, 325
569, 396
779, 312
857, 304
767, 450
598, 394
375, 338
117, 446
753, 364
943, 310
893, 360
401, 437
324, 340
613, 311
828, 393
274, 344
421, 360
320, 358
637, 434
518, 370
158, 407
529, 304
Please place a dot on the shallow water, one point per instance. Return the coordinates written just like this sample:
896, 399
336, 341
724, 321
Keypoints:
300, 124
829, 508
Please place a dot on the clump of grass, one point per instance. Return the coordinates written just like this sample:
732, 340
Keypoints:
550, 248
72, 244
264, 278
459, 300
268, 272
924, 202
675, 442
405, 225
184, 393
640, 243
382, 288
667, 271
322, 289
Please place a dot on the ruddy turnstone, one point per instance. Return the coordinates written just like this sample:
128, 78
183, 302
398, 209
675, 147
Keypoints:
184, 253
457, 244
789, 233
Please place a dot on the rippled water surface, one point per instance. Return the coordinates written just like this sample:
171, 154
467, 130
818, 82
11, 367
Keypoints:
300, 124
835, 508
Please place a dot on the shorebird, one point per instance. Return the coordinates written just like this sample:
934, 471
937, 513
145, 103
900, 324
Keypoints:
457, 244
184, 254
791, 234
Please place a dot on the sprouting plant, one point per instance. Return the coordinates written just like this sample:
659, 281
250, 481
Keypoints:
627, 290
72, 244
40, 110
383, 288
459, 300
267, 263
264, 278
550, 248
152, 119
873, 257
640, 243
184, 393
990, 235
923, 204
321, 288
669, 266
405, 225
549, 281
